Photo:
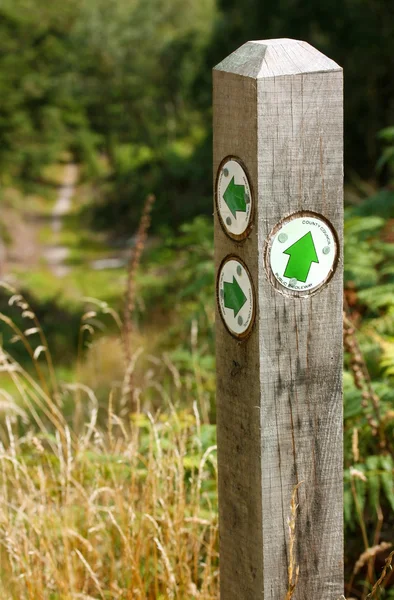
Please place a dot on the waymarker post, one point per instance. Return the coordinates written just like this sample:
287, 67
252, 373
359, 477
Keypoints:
278, 170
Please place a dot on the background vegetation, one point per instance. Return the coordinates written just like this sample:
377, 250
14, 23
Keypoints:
98, 503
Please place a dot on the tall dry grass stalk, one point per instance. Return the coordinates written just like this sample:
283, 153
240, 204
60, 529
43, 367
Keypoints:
362, 379
387, 568
293, 569
365, 559
130, 296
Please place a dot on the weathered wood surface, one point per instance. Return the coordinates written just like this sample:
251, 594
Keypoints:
278, 107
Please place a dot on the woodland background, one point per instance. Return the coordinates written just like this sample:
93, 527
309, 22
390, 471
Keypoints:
111, 99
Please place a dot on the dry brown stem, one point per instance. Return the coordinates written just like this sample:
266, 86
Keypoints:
369, 553
362, 380
130, 295
387, 567
293, 569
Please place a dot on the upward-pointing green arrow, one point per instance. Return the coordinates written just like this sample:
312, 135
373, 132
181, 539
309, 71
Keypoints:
234, 197
233, 296
302, 254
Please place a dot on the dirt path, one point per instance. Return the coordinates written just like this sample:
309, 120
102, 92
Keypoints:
56, 254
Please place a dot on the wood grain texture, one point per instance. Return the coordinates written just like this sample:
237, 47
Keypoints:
278, 107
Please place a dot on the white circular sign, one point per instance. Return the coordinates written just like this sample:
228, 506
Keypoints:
236, 297
303, 253
234, 198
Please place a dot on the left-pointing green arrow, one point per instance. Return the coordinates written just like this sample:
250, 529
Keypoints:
233, 296
234, 197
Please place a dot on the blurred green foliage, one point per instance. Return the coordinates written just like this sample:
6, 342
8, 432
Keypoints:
132, 80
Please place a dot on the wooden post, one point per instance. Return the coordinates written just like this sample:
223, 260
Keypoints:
278, 168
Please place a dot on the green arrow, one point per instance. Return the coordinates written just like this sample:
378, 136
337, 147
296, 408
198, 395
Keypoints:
302, 254
234, 197
233, 296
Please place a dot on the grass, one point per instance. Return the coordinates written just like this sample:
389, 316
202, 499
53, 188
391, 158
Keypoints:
103, 285
126, 512
98, 503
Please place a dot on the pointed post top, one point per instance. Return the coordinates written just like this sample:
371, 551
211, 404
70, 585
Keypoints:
272, 58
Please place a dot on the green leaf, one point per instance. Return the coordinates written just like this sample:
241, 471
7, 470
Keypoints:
387, 134
386, 463
348, 507
373, 465
378, 297
351, 397
361, 487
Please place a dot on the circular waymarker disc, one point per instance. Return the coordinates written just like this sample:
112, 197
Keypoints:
303, 253
236, 297
234, 198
